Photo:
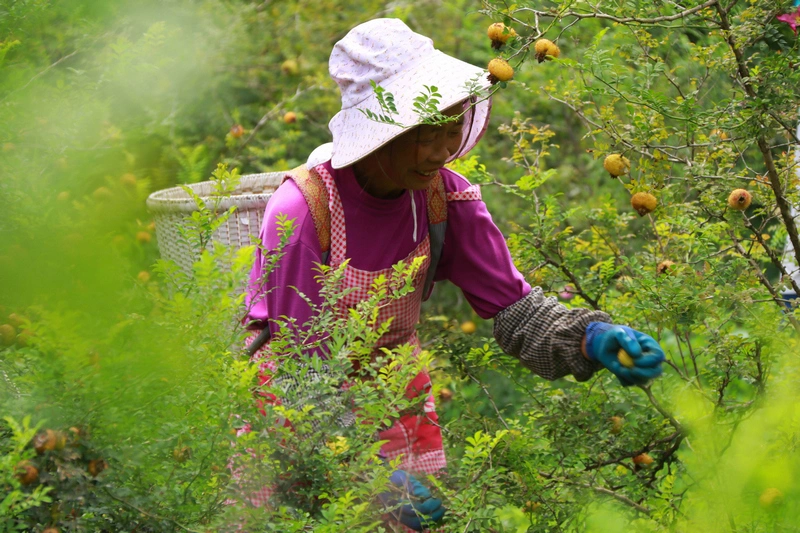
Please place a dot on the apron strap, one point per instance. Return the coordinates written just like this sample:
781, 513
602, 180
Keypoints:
437, 226
316, 195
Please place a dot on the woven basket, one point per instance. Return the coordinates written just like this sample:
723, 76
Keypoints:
170, 207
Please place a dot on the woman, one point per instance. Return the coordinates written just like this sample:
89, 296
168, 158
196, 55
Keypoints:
389, 198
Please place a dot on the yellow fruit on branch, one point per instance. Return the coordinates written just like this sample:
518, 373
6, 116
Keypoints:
740, 199
499, 33
500, 70
771, 497
545, 49
290, 67
96, 466
143, 237
290, 117
643, 459
181, 453
7, 334
643, 203
531, 507
445, 395
468, 327
719, 133
237, 130
103, 194
128, 180
143, 276
617, 165
27, 473
46, 441
616, 424
664, 266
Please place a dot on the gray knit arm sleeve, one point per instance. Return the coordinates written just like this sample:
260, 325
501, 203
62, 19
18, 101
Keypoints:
546, 336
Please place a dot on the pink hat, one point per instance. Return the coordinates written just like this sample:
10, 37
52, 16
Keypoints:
387, 52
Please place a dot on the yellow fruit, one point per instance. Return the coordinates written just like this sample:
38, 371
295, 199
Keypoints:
531, 507
128, 180
96, 466
143, 276
290, 67
719, 133
616, 423
625, 359
664, 266
770, 497
102, 194
499, 33
740, 199
143, 237
45, 441
617, 165
643, 459
237, 131
7, 334
468, 327
445, 395
16, 320
181, 454
290, 117
643, 203
500, 70
27, 473
23, 337
546, 49
63, 196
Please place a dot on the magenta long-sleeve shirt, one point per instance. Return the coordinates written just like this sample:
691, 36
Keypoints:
380, 232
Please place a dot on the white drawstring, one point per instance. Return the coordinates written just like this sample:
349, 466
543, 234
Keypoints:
413, 213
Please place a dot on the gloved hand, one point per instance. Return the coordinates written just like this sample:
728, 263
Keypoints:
603, 342
418, 510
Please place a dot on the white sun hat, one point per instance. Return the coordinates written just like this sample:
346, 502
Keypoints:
402, 62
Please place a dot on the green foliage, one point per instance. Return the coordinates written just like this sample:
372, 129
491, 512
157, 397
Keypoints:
139, 365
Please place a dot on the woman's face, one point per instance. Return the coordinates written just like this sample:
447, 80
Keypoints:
411, 160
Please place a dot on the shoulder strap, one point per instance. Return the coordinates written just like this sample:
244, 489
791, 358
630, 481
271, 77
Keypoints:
316, 195
437, 224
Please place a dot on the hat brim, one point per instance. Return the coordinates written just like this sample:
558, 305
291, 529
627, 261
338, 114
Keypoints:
355, 135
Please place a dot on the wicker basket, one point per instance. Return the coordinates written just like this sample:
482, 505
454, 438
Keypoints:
170, 207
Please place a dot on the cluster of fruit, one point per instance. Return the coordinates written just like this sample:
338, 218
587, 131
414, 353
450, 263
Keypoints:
15, 331
500, 34
60, 455
644, 202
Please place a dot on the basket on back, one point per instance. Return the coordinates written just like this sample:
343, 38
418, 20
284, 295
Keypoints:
171, 207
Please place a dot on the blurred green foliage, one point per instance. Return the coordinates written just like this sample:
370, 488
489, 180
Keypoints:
138, 367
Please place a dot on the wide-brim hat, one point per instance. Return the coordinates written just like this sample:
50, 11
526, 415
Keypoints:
401, 62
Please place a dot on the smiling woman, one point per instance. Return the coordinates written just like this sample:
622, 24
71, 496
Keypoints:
381, 194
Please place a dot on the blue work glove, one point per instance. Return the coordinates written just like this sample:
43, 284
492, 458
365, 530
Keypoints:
603, 342
411, 502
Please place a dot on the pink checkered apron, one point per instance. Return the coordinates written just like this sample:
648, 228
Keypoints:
415, 438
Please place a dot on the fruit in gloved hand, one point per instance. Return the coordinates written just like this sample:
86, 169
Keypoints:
617, 165
625, 359
643, 459
499, 33
500, 70
643, 203
740, 199
546, 49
